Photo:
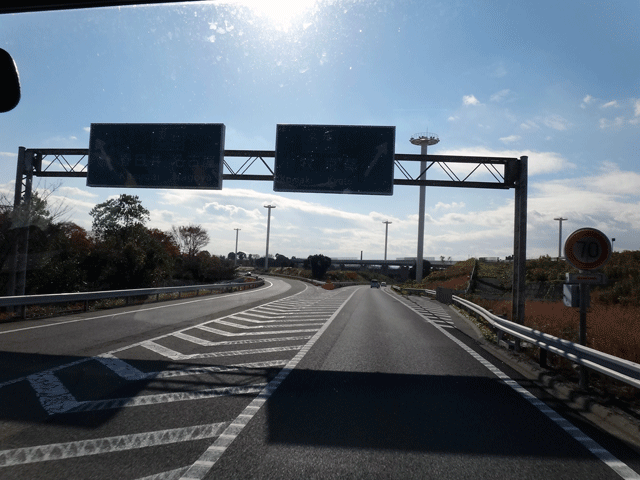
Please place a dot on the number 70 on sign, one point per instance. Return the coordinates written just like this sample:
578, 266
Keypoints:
587, 249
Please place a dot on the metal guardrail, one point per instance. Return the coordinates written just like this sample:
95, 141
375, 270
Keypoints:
615, 367
28, 300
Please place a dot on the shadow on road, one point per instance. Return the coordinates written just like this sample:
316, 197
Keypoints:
425, 413
87, 380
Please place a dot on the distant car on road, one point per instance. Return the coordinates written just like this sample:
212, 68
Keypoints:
375, 284
383, 284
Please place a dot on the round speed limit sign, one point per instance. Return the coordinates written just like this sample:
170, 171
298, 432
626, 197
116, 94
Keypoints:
587, 249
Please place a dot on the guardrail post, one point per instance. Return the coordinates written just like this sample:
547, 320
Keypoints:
86, 305
584, 300
543, 358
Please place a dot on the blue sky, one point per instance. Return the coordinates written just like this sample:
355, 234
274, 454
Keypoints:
556, 81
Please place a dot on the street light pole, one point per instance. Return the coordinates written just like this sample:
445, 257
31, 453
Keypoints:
235, 258
560, 219
266, 256
386, 235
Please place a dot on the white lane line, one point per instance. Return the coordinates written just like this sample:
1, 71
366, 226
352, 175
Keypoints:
162, 398
122, 368
591, 445
239, 367
208, 343
280, 319
207, 460
98, 446
191, 339
251, 327
242, 334
173, 355
187, 302
52, 394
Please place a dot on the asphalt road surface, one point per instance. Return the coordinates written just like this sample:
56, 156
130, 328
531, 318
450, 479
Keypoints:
287, 381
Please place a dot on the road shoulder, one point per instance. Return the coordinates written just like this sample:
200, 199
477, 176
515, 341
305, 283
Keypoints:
615, 421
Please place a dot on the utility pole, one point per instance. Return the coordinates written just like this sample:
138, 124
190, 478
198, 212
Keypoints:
235, 258
386, 235
560, 219
266, 256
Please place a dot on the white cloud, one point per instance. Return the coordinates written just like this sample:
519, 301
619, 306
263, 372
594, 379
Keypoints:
587, 101
76, 192
539, 162
636, 108
612, 103
470, 100
529, 125
499, 72
448, 206
510, 139
606, 123
556, 122
452, 118
501, 95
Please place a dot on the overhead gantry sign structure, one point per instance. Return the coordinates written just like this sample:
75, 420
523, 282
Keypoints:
342, 159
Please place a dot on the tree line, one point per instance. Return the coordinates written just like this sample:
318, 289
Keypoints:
120, 251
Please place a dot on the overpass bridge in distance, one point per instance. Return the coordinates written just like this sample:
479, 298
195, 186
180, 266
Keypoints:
436, 264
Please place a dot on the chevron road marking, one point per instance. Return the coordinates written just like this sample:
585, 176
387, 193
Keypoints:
61, 451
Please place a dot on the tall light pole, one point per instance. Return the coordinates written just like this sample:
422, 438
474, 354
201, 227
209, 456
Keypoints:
560, 219
424, 140
266, 256
235, 258
386, 235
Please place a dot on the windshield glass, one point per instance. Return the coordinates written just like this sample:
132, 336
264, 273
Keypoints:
506, 79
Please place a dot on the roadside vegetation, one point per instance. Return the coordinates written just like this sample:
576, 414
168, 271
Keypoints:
613, 320
120, 251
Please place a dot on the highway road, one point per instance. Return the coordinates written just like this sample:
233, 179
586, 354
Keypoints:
286, 381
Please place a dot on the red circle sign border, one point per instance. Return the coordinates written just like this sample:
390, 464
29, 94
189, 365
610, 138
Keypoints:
601, 238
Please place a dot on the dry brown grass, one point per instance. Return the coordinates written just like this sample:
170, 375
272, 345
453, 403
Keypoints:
612, 329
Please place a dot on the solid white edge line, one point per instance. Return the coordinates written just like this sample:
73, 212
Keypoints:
207, 460
587, 442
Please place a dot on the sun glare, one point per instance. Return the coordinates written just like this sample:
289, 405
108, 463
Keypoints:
280, 14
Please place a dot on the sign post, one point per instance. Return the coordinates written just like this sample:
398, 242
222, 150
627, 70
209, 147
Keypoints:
587, 249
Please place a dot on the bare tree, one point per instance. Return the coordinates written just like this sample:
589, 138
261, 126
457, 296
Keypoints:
191, 238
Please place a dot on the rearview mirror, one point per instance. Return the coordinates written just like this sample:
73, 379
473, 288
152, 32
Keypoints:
9, 81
